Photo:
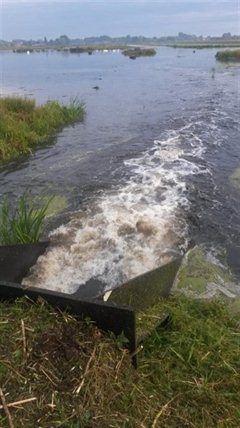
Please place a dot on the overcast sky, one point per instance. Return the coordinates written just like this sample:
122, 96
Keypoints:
52, 18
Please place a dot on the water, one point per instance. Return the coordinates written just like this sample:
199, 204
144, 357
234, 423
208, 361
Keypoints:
146, 173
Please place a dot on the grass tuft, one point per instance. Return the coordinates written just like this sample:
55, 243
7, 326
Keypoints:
228, 55
138, 52
22, 225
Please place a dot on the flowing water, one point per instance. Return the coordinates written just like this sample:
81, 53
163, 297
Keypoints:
146, 174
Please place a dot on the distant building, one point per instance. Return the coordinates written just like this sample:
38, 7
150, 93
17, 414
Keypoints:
183, 36
227, 36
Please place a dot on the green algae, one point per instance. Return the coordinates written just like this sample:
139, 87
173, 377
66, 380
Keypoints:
197, 272
235, 178
56, 205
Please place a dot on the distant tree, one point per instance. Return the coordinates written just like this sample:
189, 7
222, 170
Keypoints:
63, 40
226, 35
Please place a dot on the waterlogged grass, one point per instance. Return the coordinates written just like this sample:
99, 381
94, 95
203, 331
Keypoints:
24, 223
228, 55
24, 125
138, 52
73, 376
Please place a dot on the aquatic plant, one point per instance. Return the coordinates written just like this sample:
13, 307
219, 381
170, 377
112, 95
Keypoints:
228, 55
138, 52
24, 224
23, 124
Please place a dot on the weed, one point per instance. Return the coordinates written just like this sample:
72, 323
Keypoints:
22, 225
137, 52
228, 55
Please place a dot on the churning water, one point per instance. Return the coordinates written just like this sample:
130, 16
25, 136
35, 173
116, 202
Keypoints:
146, 173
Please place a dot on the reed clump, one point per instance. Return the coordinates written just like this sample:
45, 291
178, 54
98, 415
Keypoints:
58, 371
138, 52
228, 55
24, 124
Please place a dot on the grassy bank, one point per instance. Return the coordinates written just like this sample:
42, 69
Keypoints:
73, 49
74, 376
24, 124
204, 45
229, 55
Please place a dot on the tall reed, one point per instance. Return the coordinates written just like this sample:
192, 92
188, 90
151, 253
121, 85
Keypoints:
229, 55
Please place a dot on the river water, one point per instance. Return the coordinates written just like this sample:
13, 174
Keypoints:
148, 171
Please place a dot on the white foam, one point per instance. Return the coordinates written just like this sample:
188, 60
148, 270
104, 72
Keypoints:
135, 228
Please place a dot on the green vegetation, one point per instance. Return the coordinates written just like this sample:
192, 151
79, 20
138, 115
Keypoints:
57, 371
92, 48
23, 50
235, 178
55, 205
23, 224
81, 49
137, 52
24, 124
70, 49
198, 272
228, 55
63, 41
205, 45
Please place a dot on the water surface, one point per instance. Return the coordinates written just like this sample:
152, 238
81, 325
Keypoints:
148, 170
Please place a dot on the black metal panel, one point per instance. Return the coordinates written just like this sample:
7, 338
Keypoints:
92, 289
16, 260
145, 290
108, 317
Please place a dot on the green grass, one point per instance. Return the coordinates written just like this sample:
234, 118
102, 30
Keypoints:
138, 52
21, 225
228, 55
188, 374
24, 125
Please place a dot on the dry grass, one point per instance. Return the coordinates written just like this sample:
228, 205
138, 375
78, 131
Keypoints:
57, 371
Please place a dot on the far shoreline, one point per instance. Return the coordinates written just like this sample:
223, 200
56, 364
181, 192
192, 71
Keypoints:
91, 48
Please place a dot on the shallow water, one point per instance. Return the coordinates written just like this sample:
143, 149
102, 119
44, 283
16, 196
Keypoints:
148, 170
